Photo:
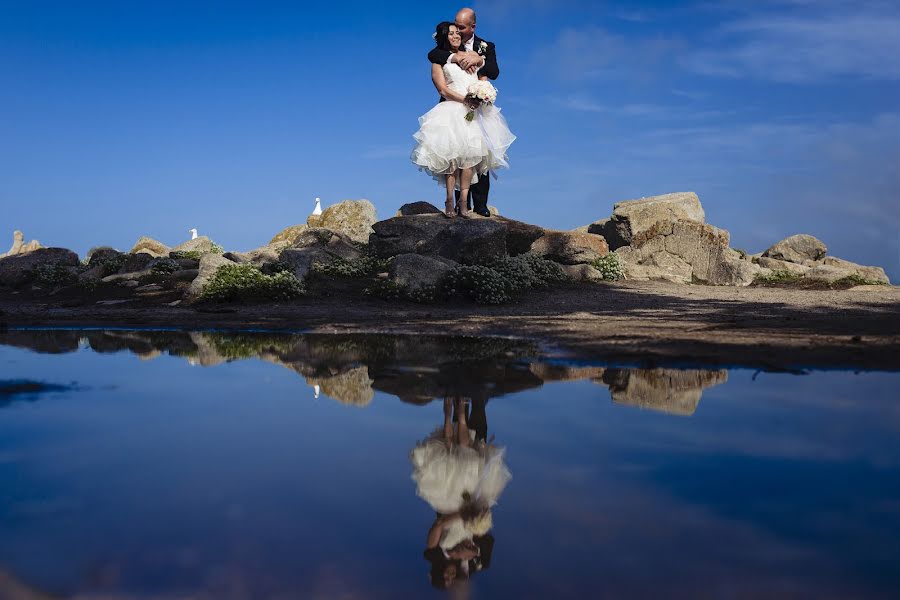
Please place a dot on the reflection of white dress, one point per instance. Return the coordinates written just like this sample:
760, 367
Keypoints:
447, 142
443, 473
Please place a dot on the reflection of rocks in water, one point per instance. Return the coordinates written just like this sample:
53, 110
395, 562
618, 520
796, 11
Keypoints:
556, 372
416, 369
54, 341
672, 391
145, 344
350, 387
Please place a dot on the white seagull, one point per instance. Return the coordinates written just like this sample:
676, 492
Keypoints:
193, 233
318, 209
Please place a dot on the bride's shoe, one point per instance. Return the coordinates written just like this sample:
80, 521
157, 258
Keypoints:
463, 209
448, 209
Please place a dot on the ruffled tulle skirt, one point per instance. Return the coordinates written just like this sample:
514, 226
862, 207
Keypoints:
446, 141
443, 473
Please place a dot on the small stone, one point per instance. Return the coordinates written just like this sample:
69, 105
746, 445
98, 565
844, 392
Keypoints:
418, 208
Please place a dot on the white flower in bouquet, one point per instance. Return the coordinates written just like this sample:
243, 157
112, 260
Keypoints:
482, 92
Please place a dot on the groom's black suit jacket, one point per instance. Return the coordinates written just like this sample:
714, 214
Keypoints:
489, 52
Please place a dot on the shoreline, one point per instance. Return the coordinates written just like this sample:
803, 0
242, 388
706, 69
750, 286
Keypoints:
633, 323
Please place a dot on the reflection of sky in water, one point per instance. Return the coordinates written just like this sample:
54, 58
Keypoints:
233, 481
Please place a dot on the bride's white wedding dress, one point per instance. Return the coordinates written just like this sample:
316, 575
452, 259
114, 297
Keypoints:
446, 141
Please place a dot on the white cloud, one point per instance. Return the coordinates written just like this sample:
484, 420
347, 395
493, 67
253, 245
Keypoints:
581, 54
804, 47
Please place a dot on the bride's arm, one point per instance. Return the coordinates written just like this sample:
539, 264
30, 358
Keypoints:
440, 82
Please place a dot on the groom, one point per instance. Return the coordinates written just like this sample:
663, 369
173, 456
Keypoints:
480, 56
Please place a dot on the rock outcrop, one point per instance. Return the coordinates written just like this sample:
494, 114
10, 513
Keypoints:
201, 244
520, 236
209, 264
288, 235
631, 218
683, 252
19, 246
147, 245
19, 268
99, 254
318, 245
353, 218
460, 240
415, 271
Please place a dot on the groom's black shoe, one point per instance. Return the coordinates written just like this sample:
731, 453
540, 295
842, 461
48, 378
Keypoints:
483, 212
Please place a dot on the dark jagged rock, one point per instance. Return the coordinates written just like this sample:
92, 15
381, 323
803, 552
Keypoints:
460, 240
18, 269
520, 236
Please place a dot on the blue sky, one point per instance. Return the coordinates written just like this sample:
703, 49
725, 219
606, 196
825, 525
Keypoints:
122, 119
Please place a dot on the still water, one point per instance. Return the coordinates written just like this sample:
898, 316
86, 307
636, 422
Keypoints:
140, 464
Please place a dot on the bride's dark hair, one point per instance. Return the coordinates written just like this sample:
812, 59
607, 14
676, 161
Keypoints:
441, 35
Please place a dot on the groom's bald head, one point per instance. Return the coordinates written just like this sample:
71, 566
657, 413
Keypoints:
465, 22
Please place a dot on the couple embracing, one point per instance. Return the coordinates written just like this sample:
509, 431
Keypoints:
462, 139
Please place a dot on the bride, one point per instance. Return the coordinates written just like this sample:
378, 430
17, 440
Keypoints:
454, 150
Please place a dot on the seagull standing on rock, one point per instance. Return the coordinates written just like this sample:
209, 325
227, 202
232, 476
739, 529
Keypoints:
193, 233
318, 209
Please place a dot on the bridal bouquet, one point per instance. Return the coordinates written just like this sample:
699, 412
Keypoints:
480, 92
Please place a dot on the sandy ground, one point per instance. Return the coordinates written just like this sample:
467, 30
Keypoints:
648, 323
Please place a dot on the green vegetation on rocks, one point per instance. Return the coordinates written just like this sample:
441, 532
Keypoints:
247, 283
355, 267
610, 267
52, 274
854, 280
165, 266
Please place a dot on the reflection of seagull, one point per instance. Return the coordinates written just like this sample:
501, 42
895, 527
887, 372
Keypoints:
193, 233
316, 391
318, 209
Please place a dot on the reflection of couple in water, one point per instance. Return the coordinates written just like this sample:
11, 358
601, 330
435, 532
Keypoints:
460, 473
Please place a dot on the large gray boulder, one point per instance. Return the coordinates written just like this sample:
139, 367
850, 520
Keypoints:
318, 245
353, 218
148, 245
832, 269
18, 268
866, 272
99, 254
570, 247
797, 248
668, 249
782, 265
631, 218
520, 236
201, 244
460, 240
288, 235
209, 264
415, 271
